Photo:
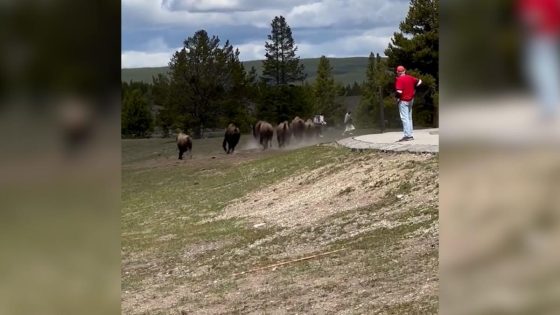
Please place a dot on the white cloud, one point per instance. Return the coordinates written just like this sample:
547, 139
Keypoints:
155, 54
141, 59
335, 28
230, 5
347, 13
351, 46
259, 13
151, 14
251, 51
201, 5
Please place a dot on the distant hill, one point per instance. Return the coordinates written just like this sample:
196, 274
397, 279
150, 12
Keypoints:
345, 70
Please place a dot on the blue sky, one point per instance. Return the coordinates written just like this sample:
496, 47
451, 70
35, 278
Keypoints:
152, 30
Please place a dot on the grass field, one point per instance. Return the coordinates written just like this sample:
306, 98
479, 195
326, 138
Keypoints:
195, 232
345, 70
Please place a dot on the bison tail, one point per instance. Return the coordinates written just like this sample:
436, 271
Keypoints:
224, 144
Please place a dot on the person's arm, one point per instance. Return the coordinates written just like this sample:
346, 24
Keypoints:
398, 89
419, 82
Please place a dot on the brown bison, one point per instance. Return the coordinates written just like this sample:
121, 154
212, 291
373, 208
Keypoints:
310, 129
298, 128
231, 138
184, 144
263, 131
283, 134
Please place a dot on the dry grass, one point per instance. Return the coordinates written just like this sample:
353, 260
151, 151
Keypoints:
184, 243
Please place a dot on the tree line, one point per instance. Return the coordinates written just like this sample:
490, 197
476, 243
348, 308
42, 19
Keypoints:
207, 86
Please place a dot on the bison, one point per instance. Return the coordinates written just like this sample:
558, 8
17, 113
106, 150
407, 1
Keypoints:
184, 144
310, 129
283, 134
298, 128
263, 131
231, 138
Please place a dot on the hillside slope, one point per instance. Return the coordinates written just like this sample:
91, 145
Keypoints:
281, 231
345, 70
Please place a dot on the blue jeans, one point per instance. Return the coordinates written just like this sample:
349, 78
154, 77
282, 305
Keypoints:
542, 64
405, 109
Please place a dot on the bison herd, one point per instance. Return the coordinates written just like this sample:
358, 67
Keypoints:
263, 133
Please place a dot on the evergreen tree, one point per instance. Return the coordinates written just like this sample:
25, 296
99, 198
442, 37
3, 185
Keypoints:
416, 46
367, 116
202, 77
234, 106
377, 95
160, 93
252, 76
340, 90
136, 117
356, 89
325, 92
281, 65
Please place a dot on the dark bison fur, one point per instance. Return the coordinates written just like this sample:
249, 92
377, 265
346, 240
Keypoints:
231, 138
263, 132
298, 128
283, 134
184, 144
310, 129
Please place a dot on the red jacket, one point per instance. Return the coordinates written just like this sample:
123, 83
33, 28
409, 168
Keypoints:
406, 84
542, 16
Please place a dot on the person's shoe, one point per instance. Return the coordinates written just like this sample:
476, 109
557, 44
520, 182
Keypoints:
403, 139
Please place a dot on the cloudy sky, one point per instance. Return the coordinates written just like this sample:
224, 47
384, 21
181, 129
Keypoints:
153, 29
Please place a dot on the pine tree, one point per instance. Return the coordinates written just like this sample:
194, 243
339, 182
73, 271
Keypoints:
324, 92
203, 76
281, 65
136, 117
416, 46
234, 106
366, 116
160, 93
375, 91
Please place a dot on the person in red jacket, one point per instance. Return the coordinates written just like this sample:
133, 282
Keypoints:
541, 21
405, 86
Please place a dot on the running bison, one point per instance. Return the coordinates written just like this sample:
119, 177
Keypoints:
231, 138
184, 144
283, 134
310, 129
298, 128
263, 132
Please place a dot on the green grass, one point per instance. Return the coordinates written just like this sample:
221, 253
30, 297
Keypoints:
345, 70
167, 207
174, 200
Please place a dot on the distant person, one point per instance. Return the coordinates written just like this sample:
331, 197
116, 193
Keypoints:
319, 121
405, 86
541, 19
348, 123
